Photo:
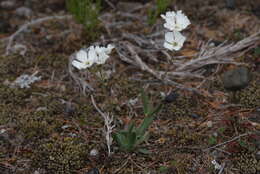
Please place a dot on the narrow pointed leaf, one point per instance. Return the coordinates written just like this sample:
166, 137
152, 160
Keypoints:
144, 151
144, 126
156, 110
131, 127
120, 139
143, 138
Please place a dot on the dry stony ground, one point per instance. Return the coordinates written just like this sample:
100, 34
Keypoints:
51, 127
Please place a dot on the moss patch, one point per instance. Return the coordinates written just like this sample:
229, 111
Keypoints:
250, 96
246, 162
61, 156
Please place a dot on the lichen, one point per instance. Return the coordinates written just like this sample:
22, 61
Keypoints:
64, 156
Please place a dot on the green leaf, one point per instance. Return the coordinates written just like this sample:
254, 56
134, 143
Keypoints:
120, 139
156, 110
131, 139
221, 130
163, 169
144, 126
131, 127
257, 51
143, 151
141, 139
243, 144
212, 140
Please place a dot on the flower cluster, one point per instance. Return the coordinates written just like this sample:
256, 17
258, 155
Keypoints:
175, 22
94, 54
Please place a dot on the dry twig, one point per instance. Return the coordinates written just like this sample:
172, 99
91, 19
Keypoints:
108, 126
23, 28
226, 142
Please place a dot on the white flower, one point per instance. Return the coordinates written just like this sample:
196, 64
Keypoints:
175, 21
102, 53
85, 59
174, 40
94, 54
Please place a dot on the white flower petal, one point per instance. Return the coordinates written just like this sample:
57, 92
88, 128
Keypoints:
175, 21
102, 53
78, 64
169, 37
163, 16
174, 40
109, 48
92, 55
81, 55
167, 45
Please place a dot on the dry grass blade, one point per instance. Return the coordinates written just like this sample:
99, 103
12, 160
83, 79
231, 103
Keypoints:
23, 28
223, 54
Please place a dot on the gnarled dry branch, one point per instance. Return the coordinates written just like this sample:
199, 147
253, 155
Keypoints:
24, 27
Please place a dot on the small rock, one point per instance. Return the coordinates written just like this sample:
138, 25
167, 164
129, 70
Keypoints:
2, 131
69, 109
217, 166
195, 116
257, 155
19, 49
173, 96
93, 171
209, 124
65, 126
42, 109
215, 43
93, 152
8, 4
231, 4
23, 12
133, 101
255, 117
236, 79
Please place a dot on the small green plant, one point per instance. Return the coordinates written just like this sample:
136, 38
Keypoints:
163, 169
129, 139
257, 51
86, 12
212, 140
161, 7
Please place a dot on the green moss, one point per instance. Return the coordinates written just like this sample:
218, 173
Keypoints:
184, 137
10, 66
187, 138
38, 125
61, 156
183, 106
246, 162
250, 96
13, 96
7, 114
57, 62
